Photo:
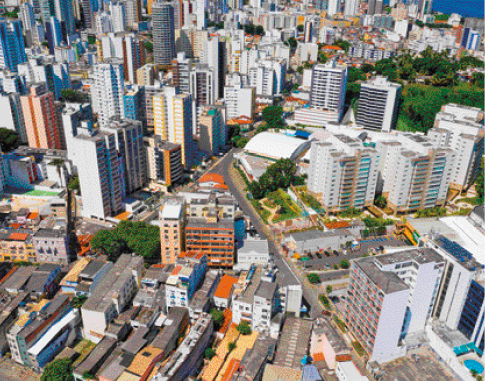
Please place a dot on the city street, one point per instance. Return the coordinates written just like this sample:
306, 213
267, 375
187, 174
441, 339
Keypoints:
287, 274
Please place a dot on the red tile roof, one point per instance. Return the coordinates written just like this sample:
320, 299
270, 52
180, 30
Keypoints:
337, 224
18, 236
225, 285
212, 177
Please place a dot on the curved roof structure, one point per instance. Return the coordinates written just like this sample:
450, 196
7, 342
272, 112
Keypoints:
212, 177
276, 146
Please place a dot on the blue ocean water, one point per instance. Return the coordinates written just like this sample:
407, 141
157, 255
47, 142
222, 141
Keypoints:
470, 8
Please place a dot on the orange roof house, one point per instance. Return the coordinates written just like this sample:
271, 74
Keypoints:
211, 177
223, 292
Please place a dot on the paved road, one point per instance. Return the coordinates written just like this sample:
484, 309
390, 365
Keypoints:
286, 274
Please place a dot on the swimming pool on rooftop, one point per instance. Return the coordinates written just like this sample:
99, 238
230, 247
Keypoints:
474, 365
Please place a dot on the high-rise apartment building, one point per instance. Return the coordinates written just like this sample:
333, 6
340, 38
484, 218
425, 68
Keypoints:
343, 173
351, 7
329, 83
76, 118
268, 77
172, 215
333, 7
107, 90
12, 115
374, 7
461, 129
390, 297
181, 68
117, 11
378, 104
128, 48
12, 46
64, 11
415, 173
90, 7
129, 144
163, 162
132, 13
191, 41
41, 116
134, 105
239, 101
100, 174
163, 33
173, 121
211, 131
214, 55
145, 76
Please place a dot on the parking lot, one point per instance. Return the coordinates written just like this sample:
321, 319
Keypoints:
327, 260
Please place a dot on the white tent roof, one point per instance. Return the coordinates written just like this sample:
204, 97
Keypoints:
274, 145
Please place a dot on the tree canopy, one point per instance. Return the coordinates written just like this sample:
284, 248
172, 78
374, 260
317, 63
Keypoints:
136, 237
273, 116
70, 95
281, 174
9, 140
58, 370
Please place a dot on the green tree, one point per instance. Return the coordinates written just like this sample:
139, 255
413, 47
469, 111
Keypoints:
73, 183
344, 264
300, 28
218, 317
58, 370
244, 328
281, 174
249, 29
9, 140
329, 289
259, 30
367, 68
479, 184
273, 116
149, 46
292, 42
70, 95
231, 346
313, 278
241, 142
209, 353
78, 301
380, 202
345, 45
478, 79
108, 243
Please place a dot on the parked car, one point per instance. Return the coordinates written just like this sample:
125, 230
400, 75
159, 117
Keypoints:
326, 313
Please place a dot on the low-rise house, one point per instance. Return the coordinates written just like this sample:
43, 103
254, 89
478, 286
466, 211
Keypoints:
188, 356
316, 240
347, 371
70, 281
223, 293
43, 280
8, 315
96, 358
17, 246
91, 276
202, 299
34, 321
281, 373
255, 301
17, 281
293, 343
54, 340
183, 281
326, 341
110, 297
52, 245
176, 323
253, 251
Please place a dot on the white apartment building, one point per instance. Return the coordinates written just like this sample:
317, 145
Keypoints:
329, 83
172, 115
351, 7
100, 174
129, 144
415, 174
307, 51
378, 104
111, 296
214, 55
254, 301
343, 172
12, 115
107, 90
461, 129
390, 297
267, 76
126, 47
103, 23
117, 12
239, 101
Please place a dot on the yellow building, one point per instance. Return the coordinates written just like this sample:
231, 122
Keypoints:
17, 247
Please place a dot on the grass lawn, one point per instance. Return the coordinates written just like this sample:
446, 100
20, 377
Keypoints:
41, 193
262, 212
83, 348
340, 324
470, 200
310, 201
287, 208
358, 348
